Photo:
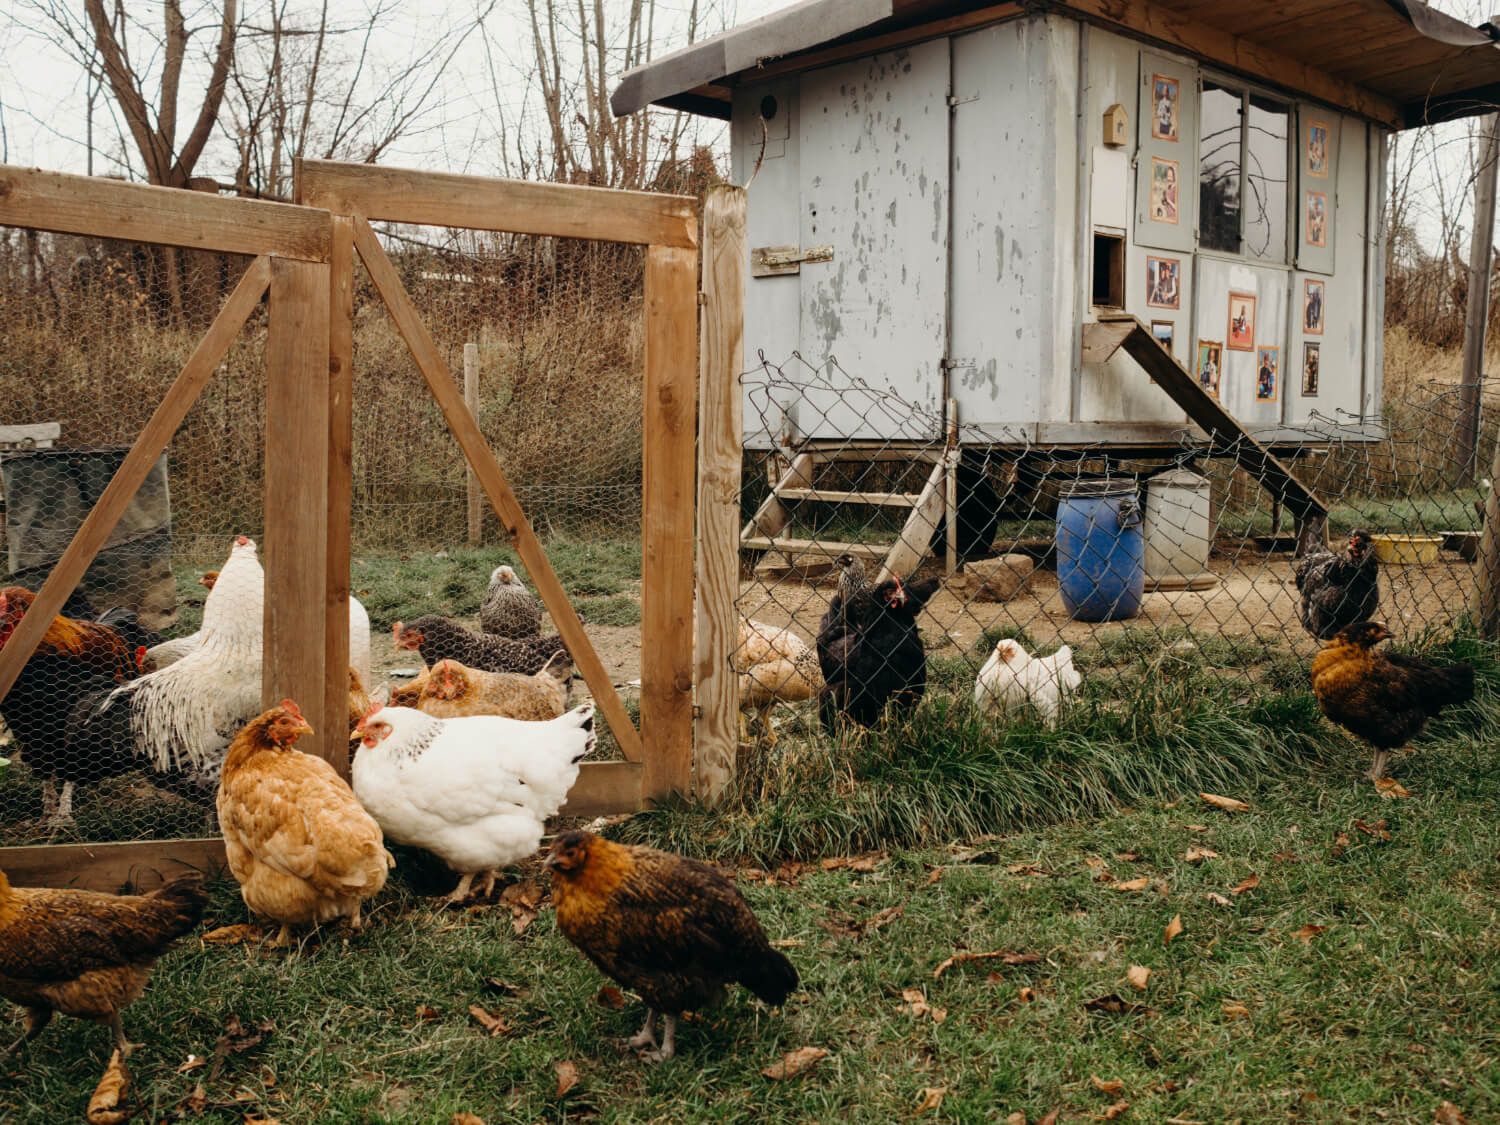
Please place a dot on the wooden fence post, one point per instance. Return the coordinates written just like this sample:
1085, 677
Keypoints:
296, 500
720, 453
471, 400
340, 485
667, 519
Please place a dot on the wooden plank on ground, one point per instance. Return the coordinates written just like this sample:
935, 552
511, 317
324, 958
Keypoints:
667, 501
340, 483
100, 523
104, 208
297, 621
720, 462
1229, 437
605, 788
492, 478
136, 866
483, 203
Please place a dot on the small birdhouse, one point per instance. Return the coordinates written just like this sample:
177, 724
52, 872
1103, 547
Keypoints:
1116, 125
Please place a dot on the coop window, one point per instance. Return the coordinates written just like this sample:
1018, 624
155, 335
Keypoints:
1109, 269
1221, 139
1243, 172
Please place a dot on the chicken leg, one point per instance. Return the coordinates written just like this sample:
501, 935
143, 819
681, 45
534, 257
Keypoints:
646, 1036
1377, 771
461, 891
668, 1046
36, 1019
125, 1046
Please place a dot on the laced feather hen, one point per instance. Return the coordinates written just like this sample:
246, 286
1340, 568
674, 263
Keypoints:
509, 609
438, 638
1339, 589
475, 791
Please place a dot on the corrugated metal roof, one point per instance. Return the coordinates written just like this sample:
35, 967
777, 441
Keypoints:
1419, 65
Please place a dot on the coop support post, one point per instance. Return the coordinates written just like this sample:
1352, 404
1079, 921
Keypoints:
1487, 612
340, 485
471, 400
720, 460
1476, 318
97, 526
296, 501
667, 501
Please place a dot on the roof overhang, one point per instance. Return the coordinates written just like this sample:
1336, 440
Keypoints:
1397, 62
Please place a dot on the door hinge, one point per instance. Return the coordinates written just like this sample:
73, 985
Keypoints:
955, 363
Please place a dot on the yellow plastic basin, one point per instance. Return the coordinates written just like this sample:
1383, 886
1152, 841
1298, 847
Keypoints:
1407, 550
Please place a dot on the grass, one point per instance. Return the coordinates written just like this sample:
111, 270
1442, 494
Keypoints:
1387, 1012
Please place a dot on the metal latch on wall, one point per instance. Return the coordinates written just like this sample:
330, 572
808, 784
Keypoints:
776, 261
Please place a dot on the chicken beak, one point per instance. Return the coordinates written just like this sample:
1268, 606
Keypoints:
550, 862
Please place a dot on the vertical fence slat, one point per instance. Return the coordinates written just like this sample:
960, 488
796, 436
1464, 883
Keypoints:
296, 499
667, 518
471, 400
340, 484
720, 457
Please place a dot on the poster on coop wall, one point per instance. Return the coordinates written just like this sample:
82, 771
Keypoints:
1267, 373
1210, 365
1317, 218
1311, 357
1317, 149
1312, 307
1163, 190
1163, 283
1165, 98
1241, 322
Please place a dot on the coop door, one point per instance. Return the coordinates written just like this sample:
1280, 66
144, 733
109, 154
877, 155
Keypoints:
1166, 183
874, 188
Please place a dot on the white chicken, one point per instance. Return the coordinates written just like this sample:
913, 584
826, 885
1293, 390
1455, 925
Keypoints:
474, 791
1012, 676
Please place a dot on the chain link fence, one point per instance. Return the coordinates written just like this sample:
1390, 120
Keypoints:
1036, 577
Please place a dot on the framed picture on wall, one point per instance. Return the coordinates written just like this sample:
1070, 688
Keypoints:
1164, 189
1317, 149
1267, 374
1165, 332
1163, 283
1165, 96
1316, 225
1241, 322
1310, 359
1210, 365
1312, 307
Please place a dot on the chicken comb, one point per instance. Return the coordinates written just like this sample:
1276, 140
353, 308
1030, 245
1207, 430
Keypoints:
242, 541
291, 708
140, 654
368, 715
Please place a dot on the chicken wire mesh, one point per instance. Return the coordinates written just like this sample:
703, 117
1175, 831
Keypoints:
117, 724
1020, 576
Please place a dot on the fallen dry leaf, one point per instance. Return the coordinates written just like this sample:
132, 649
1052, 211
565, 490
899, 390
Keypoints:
1024, 869
1234, 1010
917, 1003
236, 934
1307, 933
1133, 884
1127, 857
1116, 1110
1113, 1087
104, 1106
1050, 1118
931, 1098
1114, 1006
1228, 804
1449, 1114
1389, 788
1340, 842
428, 1012
1174, 927
934, 875
495, 1025
1217, 899
465, 1119
787, 943
567, 1077
1379, 829
610, 997
794, 1063
1138, 976
1027, 996
254, 1119
1016, 1118
504, 987
1247, 884
883, 918
192, 1063
1195, 854
1004, 956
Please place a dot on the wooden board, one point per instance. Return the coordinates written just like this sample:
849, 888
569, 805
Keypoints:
834, 496
667, 471
605, 788
871, 552
772, 516
340, 482
473, 498
483, 203
98, 525
720, 464
39, 435
297, 621
137, 866
104, 208
926, 517
512, 517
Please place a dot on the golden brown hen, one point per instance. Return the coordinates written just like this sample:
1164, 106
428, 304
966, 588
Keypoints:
1385, 698
672, 929
86, 954
454, 691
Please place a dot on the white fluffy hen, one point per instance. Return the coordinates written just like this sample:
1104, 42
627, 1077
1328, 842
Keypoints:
474, 791
1012, 676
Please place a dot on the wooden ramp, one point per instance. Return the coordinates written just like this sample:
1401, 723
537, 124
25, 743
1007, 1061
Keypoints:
1230, 439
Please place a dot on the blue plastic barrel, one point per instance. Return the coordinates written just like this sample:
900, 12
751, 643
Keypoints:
1101, 554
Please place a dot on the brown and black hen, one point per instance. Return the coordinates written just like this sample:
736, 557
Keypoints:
86, 954
870, 652
672, 929
1339, 589
1385, 698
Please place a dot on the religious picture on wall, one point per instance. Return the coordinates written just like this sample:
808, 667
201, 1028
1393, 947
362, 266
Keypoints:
1210, 365
1267, 373
1317, 218
1163, 277
1164, 331
1164, 99
1312, 307
1310, 360
1163, 190
1242, 322
1317, 149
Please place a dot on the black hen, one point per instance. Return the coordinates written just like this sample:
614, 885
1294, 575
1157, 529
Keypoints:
1340, 589
871, 653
